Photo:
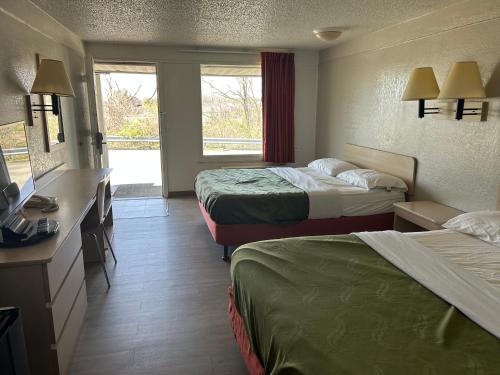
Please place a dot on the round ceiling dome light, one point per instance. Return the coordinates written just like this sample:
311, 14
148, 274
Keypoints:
327, 34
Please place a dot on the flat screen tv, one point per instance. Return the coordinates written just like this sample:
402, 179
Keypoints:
15, 167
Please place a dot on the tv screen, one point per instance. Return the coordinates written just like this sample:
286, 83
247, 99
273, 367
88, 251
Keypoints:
15, 166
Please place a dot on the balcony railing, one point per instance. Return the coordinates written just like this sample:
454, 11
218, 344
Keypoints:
116, 138
15, 151
206, 141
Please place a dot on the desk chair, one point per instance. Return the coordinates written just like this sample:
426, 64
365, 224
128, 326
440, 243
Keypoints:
102, 212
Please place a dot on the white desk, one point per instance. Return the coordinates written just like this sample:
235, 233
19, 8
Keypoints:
47, 280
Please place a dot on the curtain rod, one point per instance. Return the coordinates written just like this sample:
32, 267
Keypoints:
232, 51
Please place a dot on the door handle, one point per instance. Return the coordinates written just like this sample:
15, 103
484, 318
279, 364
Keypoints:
99, 141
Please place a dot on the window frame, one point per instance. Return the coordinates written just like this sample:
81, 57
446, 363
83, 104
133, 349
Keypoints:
253, 158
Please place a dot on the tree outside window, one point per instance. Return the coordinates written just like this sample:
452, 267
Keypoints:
232, 110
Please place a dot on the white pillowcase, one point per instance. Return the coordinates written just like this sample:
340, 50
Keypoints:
331, 166
484, 225
370, 179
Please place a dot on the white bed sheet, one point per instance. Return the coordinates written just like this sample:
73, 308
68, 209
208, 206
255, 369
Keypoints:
330, 197
474, 255
453, 275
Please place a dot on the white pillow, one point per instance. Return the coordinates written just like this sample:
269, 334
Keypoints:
484, 225
331, 166
370, 179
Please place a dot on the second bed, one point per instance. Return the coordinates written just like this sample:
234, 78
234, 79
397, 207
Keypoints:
245, 205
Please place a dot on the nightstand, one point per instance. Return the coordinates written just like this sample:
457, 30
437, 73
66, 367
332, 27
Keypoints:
422, 215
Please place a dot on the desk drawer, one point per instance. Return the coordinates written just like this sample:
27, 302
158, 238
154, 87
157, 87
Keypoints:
66, 296
69, 337
59, 267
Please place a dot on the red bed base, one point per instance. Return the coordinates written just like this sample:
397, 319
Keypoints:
238, 234
253, 364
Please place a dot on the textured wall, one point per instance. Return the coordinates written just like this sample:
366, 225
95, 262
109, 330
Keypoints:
18, 45
360, 86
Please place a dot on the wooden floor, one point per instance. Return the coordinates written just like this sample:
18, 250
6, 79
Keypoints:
166, 310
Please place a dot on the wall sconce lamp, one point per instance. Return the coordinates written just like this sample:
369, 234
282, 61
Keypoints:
51, 79
463, 82
422, 85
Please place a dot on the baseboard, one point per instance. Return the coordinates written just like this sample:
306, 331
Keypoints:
181, 193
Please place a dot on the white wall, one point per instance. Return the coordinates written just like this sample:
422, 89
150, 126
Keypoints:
361, 83
25, 31
180, 99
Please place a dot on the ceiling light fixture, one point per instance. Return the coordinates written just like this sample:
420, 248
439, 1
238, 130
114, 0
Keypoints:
327, 34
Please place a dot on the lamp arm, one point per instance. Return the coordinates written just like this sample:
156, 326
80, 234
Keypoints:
460, 109
55, 104
54, 107
421, 108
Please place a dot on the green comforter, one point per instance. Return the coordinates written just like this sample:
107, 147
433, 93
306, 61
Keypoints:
332, 305
250, 196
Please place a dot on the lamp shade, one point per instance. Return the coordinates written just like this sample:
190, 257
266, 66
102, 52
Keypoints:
51, 78
463, 82
421, 85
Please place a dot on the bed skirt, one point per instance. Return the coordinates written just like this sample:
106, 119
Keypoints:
238, 234
240, 334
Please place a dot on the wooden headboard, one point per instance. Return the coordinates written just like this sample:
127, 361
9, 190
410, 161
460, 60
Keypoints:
401, 166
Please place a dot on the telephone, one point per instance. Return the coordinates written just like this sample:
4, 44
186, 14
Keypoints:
46, 204
18, 231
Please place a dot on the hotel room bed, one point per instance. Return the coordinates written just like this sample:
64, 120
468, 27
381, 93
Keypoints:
253, 196
245, 205
381, 302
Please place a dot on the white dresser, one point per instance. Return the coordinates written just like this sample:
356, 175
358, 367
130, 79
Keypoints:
47, 280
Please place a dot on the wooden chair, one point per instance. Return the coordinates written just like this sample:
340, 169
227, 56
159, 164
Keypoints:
102, 212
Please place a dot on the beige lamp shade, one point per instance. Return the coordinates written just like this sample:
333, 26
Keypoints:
51, 78
463, 82
421, 85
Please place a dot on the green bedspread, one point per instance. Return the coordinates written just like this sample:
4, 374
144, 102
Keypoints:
332, 305
249, 196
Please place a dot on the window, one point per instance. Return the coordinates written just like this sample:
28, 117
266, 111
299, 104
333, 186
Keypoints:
232, 109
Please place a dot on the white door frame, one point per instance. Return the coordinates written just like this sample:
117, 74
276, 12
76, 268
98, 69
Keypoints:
91, 94
104, 156
162, 123
94, 114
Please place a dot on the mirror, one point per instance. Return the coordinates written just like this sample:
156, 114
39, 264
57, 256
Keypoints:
52, 126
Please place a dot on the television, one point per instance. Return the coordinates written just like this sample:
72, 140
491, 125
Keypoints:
16, 175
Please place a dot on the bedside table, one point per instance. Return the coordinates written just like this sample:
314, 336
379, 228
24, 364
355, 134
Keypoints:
422, 215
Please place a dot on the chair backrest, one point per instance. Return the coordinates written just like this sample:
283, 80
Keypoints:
100, 196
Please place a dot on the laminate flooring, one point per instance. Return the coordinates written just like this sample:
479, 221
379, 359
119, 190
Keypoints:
133, 208
166, 311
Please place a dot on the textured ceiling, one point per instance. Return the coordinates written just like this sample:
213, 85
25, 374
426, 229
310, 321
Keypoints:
230, 23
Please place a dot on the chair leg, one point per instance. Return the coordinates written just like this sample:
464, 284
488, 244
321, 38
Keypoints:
109, 243
226, 256
101, 257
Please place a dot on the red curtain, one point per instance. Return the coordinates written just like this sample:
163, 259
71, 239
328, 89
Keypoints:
278, 102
